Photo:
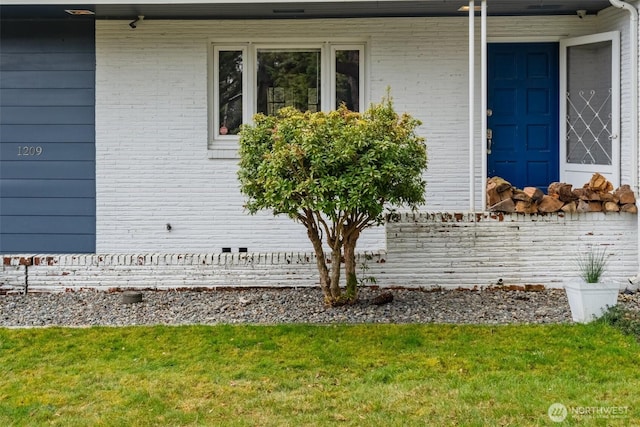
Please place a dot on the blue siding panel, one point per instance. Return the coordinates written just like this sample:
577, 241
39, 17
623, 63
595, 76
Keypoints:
47, 188
48, 61
47, 206
47, 79
11, 151
47, 136
47, 36
47, 98
47, 115
43, 225
48, 243
48, 170
47, 133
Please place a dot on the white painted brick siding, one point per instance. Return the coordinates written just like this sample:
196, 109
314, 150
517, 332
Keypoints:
425, 250
481, 249
109, 272
613, 19
151, 123
14, 274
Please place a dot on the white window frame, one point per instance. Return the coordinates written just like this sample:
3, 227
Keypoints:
332, 73
576, 173
215, 118
226, 146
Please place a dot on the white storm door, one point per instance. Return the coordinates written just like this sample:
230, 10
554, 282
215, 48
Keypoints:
590, 108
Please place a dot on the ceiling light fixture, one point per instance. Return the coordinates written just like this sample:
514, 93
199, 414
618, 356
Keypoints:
466, 9
79, 12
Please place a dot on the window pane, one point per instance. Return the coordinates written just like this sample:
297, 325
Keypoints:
288, 79
230, 92
589, 108
348, 79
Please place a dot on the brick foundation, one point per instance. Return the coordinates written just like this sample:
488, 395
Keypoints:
424, 250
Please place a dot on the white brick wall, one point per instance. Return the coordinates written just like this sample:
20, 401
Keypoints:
151, 123
109, 272
14, 274
613, 19
482, 249
425, 250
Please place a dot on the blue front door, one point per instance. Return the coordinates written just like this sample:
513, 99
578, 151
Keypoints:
523, 118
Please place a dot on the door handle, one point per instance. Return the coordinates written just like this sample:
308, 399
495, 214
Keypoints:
489, 140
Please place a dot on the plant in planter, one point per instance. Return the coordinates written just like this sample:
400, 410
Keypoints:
589, 296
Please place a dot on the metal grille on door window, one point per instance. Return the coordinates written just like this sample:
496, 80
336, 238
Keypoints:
589, 132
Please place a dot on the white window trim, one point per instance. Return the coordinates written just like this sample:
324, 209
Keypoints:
226, 146
332, 73
226, 141
575, 173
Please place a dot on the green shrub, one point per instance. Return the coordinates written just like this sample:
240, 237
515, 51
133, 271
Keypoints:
592, 265
625, 320
335, 173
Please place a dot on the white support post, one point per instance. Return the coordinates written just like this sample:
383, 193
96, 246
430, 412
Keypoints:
471, 105
483, 83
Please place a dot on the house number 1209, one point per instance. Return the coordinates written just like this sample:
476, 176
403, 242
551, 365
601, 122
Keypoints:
29, 150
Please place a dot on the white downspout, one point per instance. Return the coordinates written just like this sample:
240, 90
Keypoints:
483, 85
634, 108
634, 83
472, 48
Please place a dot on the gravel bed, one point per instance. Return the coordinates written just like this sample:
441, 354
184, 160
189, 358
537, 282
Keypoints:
288, 305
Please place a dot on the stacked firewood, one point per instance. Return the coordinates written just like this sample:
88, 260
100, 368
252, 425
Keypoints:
595, 196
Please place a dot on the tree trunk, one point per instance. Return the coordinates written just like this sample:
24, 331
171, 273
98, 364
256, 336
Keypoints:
321, 262
350, 264
336, 258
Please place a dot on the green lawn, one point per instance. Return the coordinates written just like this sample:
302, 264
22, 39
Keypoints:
363, 375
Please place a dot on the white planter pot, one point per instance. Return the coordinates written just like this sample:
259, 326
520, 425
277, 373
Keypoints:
588, 301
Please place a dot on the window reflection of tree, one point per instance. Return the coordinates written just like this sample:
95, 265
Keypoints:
230, 91
284, 78
288, 78
348, 79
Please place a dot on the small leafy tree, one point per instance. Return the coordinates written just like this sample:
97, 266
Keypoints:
334, 173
